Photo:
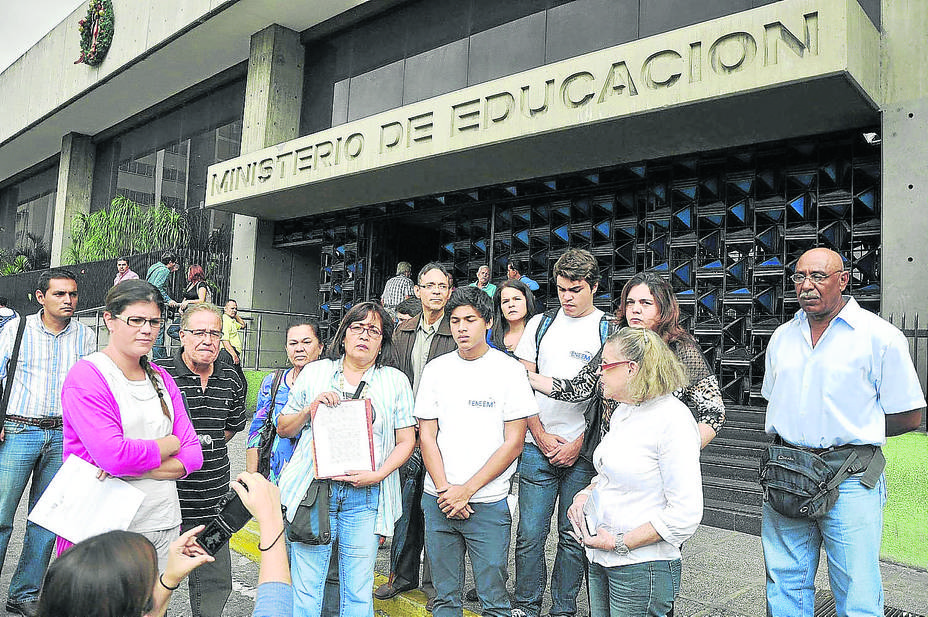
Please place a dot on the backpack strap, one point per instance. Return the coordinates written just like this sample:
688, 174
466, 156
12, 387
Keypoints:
547, 318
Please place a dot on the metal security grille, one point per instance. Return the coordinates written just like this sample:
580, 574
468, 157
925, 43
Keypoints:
725, 227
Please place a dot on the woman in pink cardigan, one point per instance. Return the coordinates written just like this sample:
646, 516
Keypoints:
126, 415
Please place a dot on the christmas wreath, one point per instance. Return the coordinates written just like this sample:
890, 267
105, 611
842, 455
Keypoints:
96, 32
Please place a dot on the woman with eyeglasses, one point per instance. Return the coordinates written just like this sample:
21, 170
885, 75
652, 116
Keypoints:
363, 504
303, 346
648, 301
126, 416
513, 306
646, 497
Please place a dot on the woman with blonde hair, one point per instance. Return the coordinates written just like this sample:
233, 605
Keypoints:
646, 497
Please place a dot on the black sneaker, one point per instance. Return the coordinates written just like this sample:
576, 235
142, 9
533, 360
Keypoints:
30, 608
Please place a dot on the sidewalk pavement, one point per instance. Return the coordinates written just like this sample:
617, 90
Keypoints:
723, 576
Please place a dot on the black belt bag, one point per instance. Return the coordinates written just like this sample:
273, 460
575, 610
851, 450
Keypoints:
801, 483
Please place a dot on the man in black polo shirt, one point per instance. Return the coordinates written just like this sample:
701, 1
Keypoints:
215, 396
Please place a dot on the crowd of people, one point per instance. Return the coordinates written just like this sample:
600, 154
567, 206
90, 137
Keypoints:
602, 415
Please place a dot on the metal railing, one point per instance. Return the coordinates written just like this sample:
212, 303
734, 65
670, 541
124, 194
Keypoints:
264, 328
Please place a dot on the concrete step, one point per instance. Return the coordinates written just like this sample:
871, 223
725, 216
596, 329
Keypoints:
720, 466
737, 517
732, 491
735, 448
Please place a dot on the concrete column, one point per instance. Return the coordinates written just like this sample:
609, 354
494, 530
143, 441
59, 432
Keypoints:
261, 276
273, 98
75, 182
905, 150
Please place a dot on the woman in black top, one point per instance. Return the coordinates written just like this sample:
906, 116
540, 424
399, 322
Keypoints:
197, 289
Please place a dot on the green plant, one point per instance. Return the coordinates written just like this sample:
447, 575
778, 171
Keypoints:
16, 265
125, 228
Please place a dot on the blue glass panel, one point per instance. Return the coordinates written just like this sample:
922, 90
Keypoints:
804, 179
710, 301
831, 171
659, 246
739, 210
771, 263
340, 249
522, 236
737, 271
684, 274
481, 245
799, 205
713, 265
449, 247
685, 216
768, 238
743, 291
604, 228
638, 170
661, 267
561, 232
689, 191
767, 299
867, 199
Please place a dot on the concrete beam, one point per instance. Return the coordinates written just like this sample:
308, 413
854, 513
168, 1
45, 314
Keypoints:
75, 181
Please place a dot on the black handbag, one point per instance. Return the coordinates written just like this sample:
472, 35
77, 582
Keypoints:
801, 484
268, 431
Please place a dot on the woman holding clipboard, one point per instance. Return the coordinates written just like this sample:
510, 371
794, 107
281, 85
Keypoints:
364, 503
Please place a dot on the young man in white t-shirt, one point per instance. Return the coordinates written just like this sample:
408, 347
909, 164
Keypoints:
551, 471
471, 407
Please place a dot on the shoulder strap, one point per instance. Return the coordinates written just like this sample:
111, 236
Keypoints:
547, 318
11, 368
275, 386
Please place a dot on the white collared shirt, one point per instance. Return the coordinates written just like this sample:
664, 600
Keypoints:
839, 391
647, 471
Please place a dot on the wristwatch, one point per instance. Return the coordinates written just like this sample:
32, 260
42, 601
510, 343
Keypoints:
620, 548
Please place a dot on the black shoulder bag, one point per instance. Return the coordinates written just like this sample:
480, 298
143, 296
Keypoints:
11, 369
267, 432
311, 523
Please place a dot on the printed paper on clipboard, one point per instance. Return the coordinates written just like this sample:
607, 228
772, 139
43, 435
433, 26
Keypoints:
343, 438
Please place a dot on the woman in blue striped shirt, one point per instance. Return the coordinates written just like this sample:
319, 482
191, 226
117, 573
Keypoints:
364, 504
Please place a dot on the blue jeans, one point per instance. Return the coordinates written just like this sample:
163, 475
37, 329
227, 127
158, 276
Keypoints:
27, 451
541, 485
158, 351
485, 537
634, 590
851, 532
352, 513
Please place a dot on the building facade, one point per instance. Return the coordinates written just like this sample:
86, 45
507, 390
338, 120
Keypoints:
712, 141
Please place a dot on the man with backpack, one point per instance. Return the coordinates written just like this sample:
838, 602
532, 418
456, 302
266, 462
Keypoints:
551, 472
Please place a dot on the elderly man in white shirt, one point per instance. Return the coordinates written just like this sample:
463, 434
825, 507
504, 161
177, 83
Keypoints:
836, 376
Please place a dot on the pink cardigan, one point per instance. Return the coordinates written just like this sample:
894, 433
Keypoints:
93, 428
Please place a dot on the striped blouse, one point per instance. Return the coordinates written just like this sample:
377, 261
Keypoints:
392, 400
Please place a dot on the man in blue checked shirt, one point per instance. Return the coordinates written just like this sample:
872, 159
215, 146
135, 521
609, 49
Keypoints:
30, 440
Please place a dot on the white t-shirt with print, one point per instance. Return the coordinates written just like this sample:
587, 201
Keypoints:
568, 345
472, 399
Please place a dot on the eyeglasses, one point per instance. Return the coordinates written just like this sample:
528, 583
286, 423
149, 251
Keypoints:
204, 333
372, 331
137, 322
816, 277
605, 366
431, 286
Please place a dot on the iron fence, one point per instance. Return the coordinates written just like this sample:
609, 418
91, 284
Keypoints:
95, 278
